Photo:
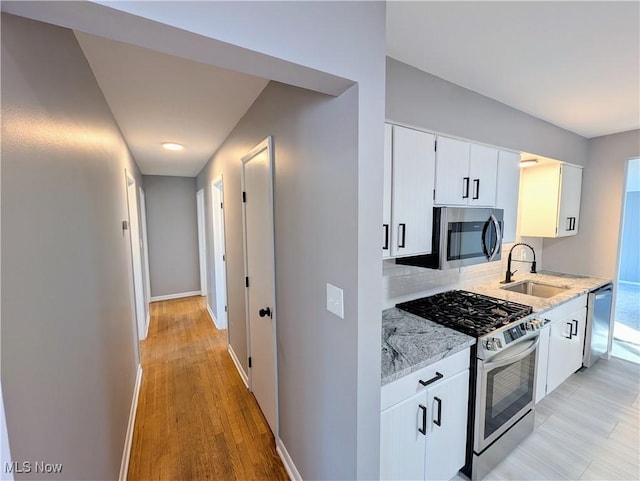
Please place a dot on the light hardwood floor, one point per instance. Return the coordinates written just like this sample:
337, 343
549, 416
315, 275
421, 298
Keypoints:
587, 429
196, 420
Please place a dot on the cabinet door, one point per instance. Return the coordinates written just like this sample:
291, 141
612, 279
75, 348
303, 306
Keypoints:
569, 209
412, 191
386, 196
483, 171
453, 185
447, 426
402, 445
566, 344
539, 201
543, 360
508, 186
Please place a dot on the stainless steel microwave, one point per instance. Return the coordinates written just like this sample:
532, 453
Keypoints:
462, 236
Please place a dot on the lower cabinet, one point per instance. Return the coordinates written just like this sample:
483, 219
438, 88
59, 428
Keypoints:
561, 345
424, 436
566, 343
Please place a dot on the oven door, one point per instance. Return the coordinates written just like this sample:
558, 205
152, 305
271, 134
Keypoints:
505, 391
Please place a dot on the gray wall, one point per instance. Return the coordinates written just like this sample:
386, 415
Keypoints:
314, 138
335, 44
172, 231
425, 101
594, 250
68, 352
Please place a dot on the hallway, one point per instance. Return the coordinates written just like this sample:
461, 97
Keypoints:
196, 420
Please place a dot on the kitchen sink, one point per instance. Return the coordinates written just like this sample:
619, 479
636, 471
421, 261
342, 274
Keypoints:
535, 289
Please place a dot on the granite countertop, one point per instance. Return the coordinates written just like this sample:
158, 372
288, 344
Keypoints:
410, 343
577, 286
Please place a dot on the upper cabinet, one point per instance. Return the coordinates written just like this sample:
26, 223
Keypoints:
466, 173
408, 191
550, 200
507, 192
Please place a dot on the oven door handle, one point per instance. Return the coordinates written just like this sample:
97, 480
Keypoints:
510, 360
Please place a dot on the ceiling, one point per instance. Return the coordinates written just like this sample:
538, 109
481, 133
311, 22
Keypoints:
158, 98
574, 64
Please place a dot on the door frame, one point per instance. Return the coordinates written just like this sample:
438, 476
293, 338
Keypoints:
219, 251
266, 144
136, 256
145, 257
202, 241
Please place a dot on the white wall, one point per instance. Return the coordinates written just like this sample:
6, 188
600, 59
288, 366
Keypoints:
69, 355
172, 231
594, 250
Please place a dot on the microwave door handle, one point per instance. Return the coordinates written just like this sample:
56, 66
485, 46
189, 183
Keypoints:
494, 249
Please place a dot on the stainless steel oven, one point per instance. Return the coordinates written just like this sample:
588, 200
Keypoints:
506, 372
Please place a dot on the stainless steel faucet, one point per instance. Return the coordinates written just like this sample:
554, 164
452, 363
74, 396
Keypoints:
507, 278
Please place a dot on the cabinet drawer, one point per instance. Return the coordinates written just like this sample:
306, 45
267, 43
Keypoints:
566, 309
407, 386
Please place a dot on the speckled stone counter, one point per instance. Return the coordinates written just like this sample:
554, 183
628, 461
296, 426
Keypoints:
410, 343
577, 286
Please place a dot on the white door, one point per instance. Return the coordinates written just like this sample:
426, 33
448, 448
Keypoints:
412, 191
145, 250
447, 404
453, 185
569, 209
386, 195
483, 172
136, 256
403, 436
257, 187
219, 256
202, 242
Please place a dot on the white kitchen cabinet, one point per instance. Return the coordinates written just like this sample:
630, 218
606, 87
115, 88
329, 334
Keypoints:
466, 173
561, 344
507, 192
386, 195
447, 404
566, 343
550, 200
403, 455
412, 181
423, 429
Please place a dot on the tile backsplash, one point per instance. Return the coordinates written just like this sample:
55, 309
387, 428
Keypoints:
403, 283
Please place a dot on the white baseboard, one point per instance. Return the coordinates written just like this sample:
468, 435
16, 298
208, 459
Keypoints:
124, 466
291, 469
235, 360
174, 296
213, 318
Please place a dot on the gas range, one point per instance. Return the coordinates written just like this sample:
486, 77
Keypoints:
502, 372
473, 314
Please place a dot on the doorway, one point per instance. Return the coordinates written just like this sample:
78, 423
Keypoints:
202, 241
219, 252
626, 330
136, 256
260, 300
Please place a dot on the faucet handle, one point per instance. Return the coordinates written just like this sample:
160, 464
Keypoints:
533, 267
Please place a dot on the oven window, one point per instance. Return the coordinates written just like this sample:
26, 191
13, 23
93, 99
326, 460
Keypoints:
509, 389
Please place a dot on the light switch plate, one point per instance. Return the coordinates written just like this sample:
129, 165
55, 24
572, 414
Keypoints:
335, 300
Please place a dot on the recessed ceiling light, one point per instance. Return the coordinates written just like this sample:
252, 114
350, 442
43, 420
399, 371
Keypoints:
172, 146
528, 163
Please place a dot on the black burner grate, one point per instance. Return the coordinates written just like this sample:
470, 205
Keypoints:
467, 312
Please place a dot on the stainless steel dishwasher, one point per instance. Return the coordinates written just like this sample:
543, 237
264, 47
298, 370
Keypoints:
596, 341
